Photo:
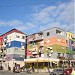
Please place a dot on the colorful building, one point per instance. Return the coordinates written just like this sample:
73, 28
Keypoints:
48, 46
14, 43
45, 48
70, 45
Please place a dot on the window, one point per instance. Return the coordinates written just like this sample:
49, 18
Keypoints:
18, 36
47, 33
23, 37
72, 42
5, 37
66, 41
66, 34
58, 31
58, 39
69, 35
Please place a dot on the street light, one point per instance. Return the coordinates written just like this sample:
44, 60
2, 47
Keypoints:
13, 62
49, 53
26, 47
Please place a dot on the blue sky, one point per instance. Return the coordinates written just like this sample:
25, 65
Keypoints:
31, 16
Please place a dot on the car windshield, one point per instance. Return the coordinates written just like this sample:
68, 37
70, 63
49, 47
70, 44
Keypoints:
58, 70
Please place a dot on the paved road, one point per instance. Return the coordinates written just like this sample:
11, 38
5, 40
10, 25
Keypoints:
22, 73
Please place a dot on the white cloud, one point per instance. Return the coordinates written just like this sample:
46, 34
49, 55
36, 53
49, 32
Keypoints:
56, 16
17, 24
53, 24
11, 23
26, 26
46, 17
68, 14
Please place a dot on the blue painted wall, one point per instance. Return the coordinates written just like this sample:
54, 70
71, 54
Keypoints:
16, 44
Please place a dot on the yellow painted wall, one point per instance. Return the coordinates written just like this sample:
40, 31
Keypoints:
69, 35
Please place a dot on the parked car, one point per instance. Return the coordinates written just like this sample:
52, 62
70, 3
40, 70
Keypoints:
68, 71
57, 71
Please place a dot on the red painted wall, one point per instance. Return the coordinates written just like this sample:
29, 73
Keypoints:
1, 41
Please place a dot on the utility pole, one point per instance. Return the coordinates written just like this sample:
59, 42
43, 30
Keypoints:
26, 47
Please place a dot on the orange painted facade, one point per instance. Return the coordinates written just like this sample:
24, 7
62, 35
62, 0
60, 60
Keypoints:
55, 40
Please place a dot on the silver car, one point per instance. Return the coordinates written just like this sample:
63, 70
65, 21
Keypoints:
57, 71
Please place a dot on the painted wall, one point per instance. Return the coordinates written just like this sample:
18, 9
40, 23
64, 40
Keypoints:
16, 44
53, 32
37, 36
15, 53
55, 40
16, 36
0, 41
70, 36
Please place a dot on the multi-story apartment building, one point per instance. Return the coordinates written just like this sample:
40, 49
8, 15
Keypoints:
70, 45
14, 43
48, 45
35, 41
56, 38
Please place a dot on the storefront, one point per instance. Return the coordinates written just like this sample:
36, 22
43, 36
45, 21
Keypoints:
41, 62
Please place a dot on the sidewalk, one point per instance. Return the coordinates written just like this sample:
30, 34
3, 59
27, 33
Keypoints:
38, 73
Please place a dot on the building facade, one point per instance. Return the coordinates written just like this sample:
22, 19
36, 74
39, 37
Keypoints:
50, 45
47, 47
14, 43
70, 45
55, 38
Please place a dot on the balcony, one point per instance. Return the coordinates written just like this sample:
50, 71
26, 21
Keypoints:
35, 37
34, 53
73, 37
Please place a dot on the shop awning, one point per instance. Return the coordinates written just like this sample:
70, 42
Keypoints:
34, 60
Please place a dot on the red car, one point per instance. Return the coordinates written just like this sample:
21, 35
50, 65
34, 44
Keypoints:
67, 71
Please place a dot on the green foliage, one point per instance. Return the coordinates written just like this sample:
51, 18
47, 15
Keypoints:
27, 66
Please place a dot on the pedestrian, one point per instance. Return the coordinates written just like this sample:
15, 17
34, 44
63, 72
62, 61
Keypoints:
33, 67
